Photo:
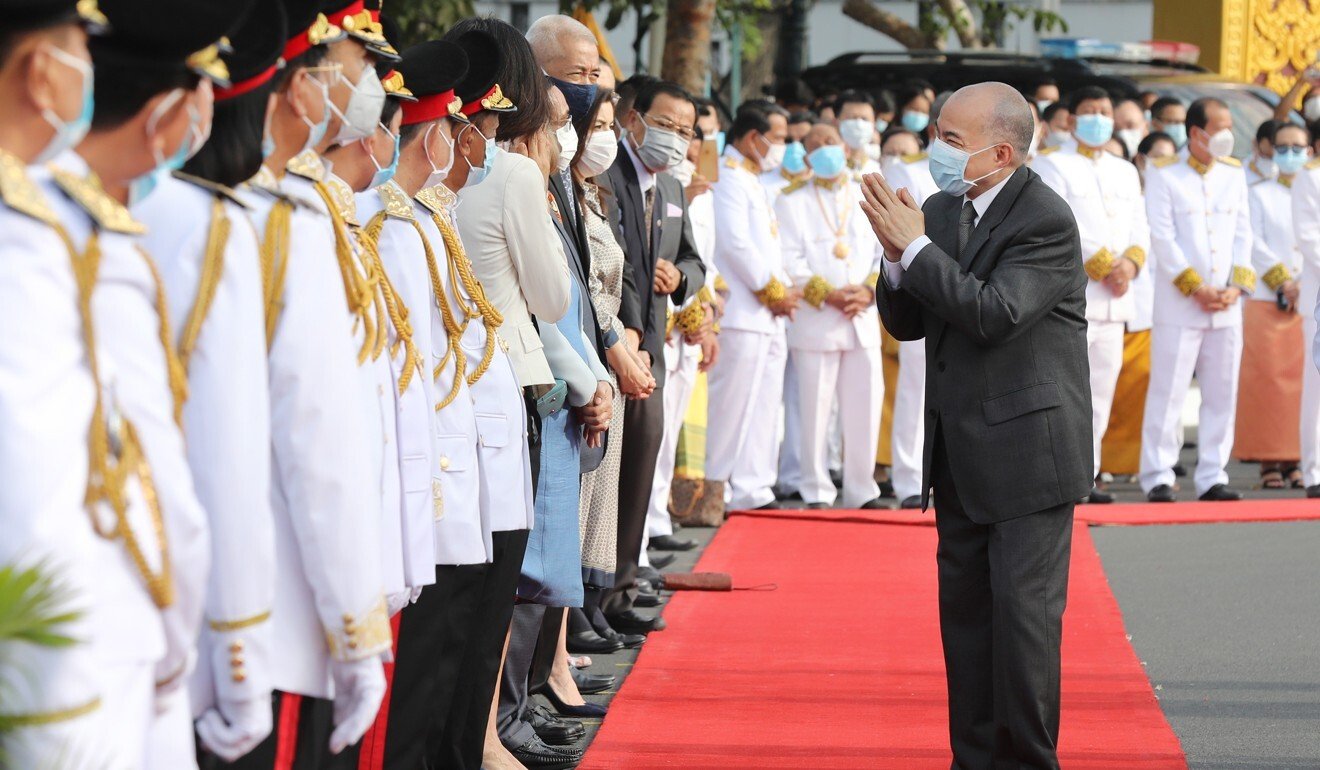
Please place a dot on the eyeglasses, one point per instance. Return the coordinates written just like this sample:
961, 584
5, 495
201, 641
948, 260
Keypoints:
555, 125
669, 125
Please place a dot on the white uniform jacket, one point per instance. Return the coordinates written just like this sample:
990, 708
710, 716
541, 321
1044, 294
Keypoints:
327, 523
747, 250
779, 180
217, 314
1104, 193
1200, 233
828, 244
913, 173
1275, 255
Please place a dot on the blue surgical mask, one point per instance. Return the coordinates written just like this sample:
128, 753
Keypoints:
795, 156
385, 174
317, 130
477, 175
1094, 130
828, 161
856, 132
915, 122
267, 141
144, 185
881, 125
69, 134
948, 166
719, 142
1177, 132
1290, 160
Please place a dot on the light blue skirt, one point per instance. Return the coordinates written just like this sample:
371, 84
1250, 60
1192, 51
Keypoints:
552, 567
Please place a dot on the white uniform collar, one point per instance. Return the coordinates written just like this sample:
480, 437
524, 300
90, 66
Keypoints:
645, 179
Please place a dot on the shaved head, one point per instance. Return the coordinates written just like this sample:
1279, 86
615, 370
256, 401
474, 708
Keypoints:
820, 135
990, 113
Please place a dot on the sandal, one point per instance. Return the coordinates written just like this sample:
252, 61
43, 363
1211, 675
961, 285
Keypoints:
1295, 478
1272, 479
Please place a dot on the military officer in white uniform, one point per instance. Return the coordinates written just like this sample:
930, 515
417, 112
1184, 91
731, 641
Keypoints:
1104, 193
856, 114
1305, 205
746, 389
832, 256
1200, 232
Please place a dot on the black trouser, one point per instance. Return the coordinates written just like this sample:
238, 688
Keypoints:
1003, 587
643, 428
302, 727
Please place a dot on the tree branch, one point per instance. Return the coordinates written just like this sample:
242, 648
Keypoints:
886, 23
962, 21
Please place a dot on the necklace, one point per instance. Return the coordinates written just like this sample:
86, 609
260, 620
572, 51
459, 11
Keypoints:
838, 222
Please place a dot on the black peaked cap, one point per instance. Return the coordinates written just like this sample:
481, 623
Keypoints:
22, 15
143, 37
259, 41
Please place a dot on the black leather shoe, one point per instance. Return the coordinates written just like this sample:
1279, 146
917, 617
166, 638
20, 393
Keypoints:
633, 622
662, 560
875, 505
1099, 497
910, 503
650, 575
671, 543
590, 684
629, 641
585, 711
1162, 494
787, 496
1221, 493
647, 600
1313, 491
591, 643
535, 755
552, 730
774, 505
817, 506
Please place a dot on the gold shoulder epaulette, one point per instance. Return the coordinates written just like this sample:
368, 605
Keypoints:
343, 198
20, 193
793, 186
1047, 150
1313, 163
436, 200
308, 165
206, 184
729, 162
913, 157
1230, 161
108, 213
1167, 160
396, 201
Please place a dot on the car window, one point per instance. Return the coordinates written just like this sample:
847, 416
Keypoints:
1248, 109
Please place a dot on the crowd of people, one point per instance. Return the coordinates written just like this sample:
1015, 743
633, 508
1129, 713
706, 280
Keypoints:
242, 243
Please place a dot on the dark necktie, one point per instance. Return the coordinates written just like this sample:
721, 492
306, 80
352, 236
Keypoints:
646, 216
966, 223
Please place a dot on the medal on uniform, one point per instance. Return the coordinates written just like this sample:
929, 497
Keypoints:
838, 222
841, 250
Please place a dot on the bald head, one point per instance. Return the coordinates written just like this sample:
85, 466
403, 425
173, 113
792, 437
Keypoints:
821, 135
565, 48
985, 114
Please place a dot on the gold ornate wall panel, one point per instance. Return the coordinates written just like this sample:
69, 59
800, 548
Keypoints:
1285, 35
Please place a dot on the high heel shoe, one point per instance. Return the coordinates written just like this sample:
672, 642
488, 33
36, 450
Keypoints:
585, 711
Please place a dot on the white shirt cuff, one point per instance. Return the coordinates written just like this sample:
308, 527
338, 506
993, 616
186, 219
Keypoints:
893, 274
894, 270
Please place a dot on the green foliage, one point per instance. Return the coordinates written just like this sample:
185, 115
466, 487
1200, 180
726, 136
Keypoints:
997, 19
427, 19
730, 14
33, 606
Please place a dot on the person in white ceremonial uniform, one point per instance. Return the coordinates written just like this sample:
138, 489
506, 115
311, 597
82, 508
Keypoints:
856, 115
746, 389
48, 397
209, 261
1200, 233
832, 256
1104, 193
1305, 204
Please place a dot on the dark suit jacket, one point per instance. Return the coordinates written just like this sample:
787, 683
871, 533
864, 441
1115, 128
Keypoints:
1007, 377
672, 240
573, 232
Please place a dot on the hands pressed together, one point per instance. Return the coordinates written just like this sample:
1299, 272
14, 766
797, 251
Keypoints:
850, 300
895, 217
1120, 278
1214, 300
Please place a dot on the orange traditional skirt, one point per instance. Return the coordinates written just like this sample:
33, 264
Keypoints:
889, 364
1269, 407
1120, 451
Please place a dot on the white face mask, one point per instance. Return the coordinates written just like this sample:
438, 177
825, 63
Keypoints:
1221, 144
774, 155
568, 142
856, 132
683, 172
1311, 110
359, 118
598, 154
437, 174
1057, 138
1130, 137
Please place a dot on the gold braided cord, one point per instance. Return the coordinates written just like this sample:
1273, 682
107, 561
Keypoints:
178, 377
44, 718
455, 332
213, 264
394, 305
275, 263
359, 289
491, 318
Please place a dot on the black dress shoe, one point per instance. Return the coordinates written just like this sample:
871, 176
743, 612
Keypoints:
1221, 493
585, 711
590, 684
535, 755
1162, 494
1313, 491
875, 505
647, 600
910, 503
1179, 470
633, 622
671, 543
787, 497
591, 643
552, 730
817, 506
887, 490
774, 505
1099, 497
629, 641
650, 575
662, 560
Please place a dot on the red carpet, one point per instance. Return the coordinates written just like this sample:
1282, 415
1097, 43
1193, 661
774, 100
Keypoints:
841, 666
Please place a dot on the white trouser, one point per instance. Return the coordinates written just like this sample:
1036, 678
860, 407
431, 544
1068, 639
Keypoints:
170, 743
679, 381
1104, 348
129, 705
790, 450
742, 440
907, 442
1310, 427
1215, 356
852, 379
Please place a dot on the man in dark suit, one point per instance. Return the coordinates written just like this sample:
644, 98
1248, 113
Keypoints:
651, 223
990, 275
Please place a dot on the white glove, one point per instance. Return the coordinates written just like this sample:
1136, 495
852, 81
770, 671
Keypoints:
171, 674
243, 725
394, 603
359, 689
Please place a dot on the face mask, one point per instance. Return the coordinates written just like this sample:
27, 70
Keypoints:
68, 135
683, 172
948, 166
774, 155
1178, 133
144, 185
1266, 166
873, 151
828, 161
385, 174
1041, 104
1094, 130
437, 174
568, 142
1057, 138
660, 149
477, 175
317, 130
599, 153
719, 143
580, 97
1147, 114
1034, 146
360, 118
1290, 159
1221, 144
795, 157
916, 122
1130, 137
881, 125
856, 132
1311, 110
